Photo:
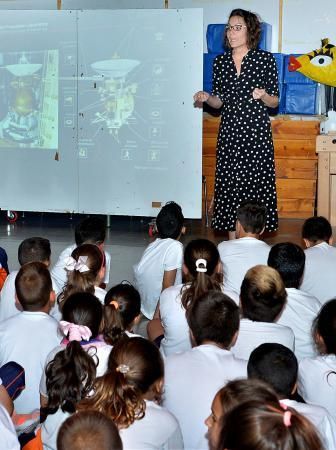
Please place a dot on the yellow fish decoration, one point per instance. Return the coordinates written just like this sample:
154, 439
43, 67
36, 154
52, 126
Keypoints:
319, 65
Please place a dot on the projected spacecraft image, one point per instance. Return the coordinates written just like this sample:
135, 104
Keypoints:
29, 99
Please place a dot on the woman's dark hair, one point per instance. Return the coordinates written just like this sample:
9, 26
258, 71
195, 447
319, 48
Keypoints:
69, 378
135, 365
258, 426
122, 306
85, 309
253, 27
89, 430
325, 326
200, 282
83, 281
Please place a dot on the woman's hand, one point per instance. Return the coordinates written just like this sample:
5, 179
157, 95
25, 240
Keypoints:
258, 94
270, 100
201, 97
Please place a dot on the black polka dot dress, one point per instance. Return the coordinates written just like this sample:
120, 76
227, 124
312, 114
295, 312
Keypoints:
245, 153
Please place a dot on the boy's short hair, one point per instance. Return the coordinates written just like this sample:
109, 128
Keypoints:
317, 229
262, 294
34, 249
33, 286
89, 430
276, 365
289, 260
214, 317
252, 217
169, 221
90, 230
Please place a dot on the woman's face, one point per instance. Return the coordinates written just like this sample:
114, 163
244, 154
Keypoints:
213, 422
237, 32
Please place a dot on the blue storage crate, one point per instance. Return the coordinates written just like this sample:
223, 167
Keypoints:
208, 59
295, 77
280, 62
300, 98
215, 37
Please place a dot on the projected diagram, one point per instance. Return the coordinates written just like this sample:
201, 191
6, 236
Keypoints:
116, 96
29, 104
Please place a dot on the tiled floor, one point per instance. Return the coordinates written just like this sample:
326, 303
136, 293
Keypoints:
126, 238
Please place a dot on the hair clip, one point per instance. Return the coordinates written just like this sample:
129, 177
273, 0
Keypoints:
287, 418
75, 332
115, 304
71, 264
123, 368
201, 261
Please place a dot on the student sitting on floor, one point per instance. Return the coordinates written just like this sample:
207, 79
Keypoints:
301, 308
32, 249
160, 265
239, 255
262, 299
91, 230
30, 335
278, 366
319, 275
193, 377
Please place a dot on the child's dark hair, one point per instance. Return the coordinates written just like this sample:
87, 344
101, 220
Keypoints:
202, 277
289, 260
134, 366
70, 375
262, 294
122, 306
33, 286
242, 390
83, 281
169, 221
91, 230
258, 426
83, 308
89, 430
276, 365
325, 326
214, 317
252, 217
34, 249
317, 229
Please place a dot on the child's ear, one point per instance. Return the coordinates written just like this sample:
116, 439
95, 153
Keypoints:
331, 241
262, 231
184, 230
18, 304
137, 319
234, 339
101, 273
307, 243
185, 270
52, 298
219, 267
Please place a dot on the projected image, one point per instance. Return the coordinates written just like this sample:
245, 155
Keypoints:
116, 95
29, 99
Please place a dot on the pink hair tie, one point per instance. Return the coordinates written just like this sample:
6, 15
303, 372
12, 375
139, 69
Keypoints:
75, 332
287, 418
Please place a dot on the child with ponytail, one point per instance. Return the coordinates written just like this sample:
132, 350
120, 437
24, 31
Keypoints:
202, 270
121, 312
85, 271
129, 393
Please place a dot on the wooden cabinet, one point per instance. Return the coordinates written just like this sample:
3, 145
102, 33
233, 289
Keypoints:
295, 162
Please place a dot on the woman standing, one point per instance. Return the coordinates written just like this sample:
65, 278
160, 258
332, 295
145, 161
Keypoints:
245, 84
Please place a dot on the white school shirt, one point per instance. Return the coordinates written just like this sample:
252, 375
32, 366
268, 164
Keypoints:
50, 428
192, 379
319, 275
160, 256
238, 256
7, 299
173, 319
317, 381
60, 274
158, 430
100, 294
99, 350
27, 338
319, 416
299, 312
252, 334
8, 437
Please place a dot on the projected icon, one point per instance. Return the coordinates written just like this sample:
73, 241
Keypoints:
154, 155
125, 154
156, 114
82, 152
154, 132
157, 69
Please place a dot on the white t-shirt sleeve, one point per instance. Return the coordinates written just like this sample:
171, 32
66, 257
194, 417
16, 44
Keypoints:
58, 272
173, 258
8, 438
107, 267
